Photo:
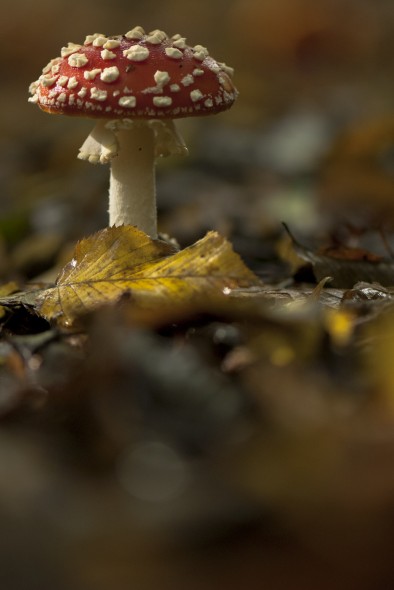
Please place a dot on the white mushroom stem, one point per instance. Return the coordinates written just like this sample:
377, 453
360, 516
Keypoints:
131, 147
132, 187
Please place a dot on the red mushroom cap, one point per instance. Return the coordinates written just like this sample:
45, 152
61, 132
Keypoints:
136, 75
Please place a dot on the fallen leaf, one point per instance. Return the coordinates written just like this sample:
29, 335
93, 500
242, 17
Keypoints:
346, 266
364, 292
341, 252
124, 260
7, 289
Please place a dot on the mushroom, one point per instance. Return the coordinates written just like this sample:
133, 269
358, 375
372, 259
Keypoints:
135, 85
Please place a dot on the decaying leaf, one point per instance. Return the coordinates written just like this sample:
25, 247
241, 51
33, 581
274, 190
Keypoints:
122, 260
5, 290
346, 266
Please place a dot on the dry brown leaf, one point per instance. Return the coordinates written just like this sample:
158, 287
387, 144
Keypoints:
346, 266
122, 260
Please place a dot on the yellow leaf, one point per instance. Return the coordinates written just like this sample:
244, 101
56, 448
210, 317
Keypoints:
7, 289
121, 260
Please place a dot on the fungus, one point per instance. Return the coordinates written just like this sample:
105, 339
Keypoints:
135, 85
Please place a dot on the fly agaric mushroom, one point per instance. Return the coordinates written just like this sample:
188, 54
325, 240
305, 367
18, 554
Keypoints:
135, 85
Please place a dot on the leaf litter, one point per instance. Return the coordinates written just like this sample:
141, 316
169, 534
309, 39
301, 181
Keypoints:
345, 265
